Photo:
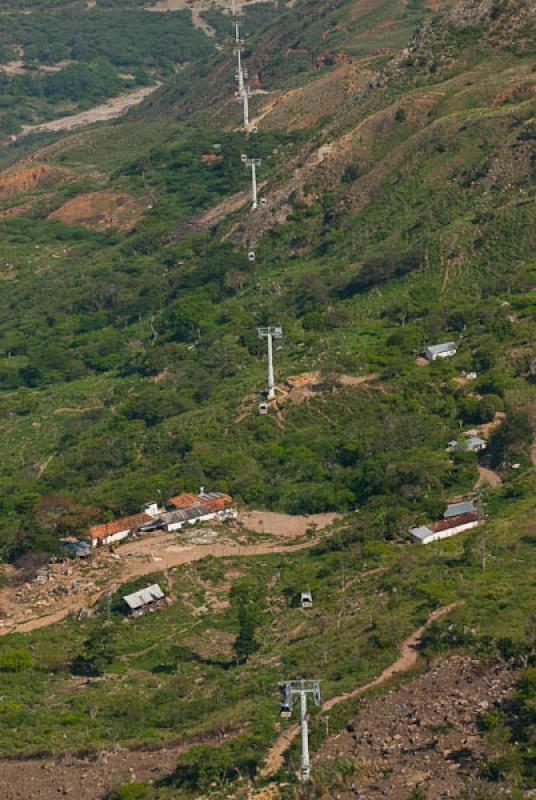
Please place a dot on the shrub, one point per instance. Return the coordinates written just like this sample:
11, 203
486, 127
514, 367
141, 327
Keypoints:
131, 791
15, 660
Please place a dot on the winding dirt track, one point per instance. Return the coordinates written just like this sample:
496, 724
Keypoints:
406, 660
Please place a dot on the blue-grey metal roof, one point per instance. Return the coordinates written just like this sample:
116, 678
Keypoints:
436, 349
77, 547
474, 443
463, 507
184, 514
422, 532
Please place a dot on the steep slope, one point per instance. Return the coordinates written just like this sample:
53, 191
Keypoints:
398, 169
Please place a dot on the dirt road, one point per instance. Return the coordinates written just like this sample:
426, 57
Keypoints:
161, 552
107, 111
406, 660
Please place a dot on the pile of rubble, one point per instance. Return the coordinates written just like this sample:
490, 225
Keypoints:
424, 735
55, 584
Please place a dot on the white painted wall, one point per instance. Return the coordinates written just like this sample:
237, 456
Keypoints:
113, 537
434, 537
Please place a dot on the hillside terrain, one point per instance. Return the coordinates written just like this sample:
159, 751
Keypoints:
398, 170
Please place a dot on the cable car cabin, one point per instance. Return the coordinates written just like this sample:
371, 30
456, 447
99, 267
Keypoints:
251, 255
306, 599
285, 710
263, 408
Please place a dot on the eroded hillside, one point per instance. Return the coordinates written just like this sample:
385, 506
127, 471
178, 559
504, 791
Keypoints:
397, 176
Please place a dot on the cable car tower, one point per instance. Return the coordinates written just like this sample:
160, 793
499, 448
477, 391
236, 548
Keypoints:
270, 334
244, 92
301, 688
252, 163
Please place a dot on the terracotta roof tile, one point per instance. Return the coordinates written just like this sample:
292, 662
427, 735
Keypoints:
105, 529
452, 522
185, 500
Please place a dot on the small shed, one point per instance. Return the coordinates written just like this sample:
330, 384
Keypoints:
474, 444
77, 549
443, 350
144, 599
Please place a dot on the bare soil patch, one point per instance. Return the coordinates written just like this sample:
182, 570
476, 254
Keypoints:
285, 525
487, 427
487, 477
100, 210
16, 211
102, 113
28, 178
194, 8
89, 778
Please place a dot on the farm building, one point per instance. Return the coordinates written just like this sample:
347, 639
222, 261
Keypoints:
184, 500
306, 599
474, 444
144, 599
175, 520
189, 515
433, 531
444, 350
214, 501
181, 510
117, 529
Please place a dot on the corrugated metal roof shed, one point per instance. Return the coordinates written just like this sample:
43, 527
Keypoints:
474, 443
463, 507
444, 347
144, 597
422, 532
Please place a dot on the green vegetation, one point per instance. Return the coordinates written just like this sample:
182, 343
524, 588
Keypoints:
175, 673
95, 54
130, 365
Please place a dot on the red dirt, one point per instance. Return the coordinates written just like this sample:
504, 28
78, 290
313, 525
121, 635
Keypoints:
24, 179
100, 210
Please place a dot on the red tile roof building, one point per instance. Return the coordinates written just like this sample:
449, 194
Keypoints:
117, 529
